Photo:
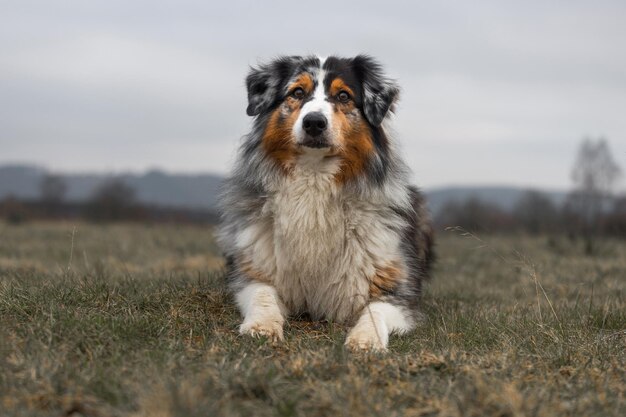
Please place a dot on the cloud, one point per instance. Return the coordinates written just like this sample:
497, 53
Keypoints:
493, 92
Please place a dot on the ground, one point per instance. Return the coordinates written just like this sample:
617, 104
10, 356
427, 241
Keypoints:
134, 320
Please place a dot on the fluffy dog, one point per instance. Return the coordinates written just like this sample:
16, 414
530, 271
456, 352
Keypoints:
318, 216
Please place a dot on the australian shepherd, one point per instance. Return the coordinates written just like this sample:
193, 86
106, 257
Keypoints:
318, 215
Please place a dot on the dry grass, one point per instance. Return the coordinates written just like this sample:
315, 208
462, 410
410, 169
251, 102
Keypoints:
130, 320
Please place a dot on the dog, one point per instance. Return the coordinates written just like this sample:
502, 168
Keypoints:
318, 216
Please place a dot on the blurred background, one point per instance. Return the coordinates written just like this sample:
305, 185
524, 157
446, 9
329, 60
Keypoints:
511, 115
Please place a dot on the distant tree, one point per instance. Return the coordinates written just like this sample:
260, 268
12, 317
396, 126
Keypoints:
594, 174
536, 213
113, 200
13, 210
615, 221
52, 189
474, 215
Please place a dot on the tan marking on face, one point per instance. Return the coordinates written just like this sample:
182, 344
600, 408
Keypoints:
385, 279
339, 85
303, 81
356, 145
278, 141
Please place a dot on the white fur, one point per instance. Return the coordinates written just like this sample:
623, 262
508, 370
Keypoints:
377, 321
261, 309
315, 246
318, 245
318, 103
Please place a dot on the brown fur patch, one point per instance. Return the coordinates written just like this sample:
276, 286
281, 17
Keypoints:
385, 279
245, 266
339, 85
355, 141
303, 81
356, 145
278, 141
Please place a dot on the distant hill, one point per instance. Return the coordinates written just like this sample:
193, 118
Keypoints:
200, 190
154, 187
20, 180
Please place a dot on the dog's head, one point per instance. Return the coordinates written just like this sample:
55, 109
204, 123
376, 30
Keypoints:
333, 105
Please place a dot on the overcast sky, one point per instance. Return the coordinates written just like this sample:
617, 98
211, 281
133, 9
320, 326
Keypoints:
493, 92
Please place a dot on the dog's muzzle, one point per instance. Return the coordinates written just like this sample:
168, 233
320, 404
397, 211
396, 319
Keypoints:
314, 125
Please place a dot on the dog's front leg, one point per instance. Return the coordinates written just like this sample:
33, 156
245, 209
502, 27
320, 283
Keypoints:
377, 321
262, 311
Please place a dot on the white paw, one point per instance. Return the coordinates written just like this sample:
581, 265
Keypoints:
365, 336
272, 329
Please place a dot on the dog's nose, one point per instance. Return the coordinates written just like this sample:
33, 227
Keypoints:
314, 123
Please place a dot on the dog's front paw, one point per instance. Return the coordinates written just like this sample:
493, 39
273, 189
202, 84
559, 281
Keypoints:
365, 337
272, 329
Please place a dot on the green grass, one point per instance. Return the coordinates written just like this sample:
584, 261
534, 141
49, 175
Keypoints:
129, 320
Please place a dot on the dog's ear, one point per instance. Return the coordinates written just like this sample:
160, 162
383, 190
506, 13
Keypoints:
265, 83
379, 92
260, 92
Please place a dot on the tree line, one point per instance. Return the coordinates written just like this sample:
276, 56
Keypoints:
591, 209
113, 200
534, 213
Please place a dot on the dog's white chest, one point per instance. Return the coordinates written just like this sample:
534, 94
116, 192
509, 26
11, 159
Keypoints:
311, 228
309, 224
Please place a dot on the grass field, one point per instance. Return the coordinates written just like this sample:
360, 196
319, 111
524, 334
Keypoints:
131, 320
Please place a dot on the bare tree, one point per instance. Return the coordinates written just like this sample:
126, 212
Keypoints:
475, 215
112, 200
536, 213
615, 221
52, 189
594, 174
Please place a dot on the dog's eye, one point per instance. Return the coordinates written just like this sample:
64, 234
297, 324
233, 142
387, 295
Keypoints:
298, 93
343, 96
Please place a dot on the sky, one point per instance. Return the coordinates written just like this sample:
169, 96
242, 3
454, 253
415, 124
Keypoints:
493, 92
